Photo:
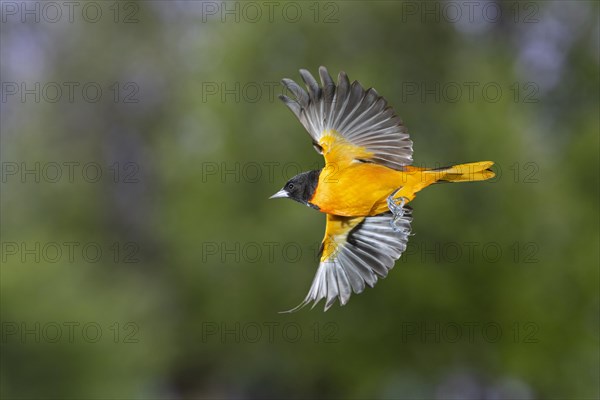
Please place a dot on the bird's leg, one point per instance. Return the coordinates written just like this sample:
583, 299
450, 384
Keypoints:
396, 206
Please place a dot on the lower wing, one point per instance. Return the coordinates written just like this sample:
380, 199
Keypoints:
355, 252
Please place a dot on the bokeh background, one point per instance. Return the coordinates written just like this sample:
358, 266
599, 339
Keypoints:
175, 105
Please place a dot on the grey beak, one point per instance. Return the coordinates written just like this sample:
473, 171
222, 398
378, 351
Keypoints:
281, 193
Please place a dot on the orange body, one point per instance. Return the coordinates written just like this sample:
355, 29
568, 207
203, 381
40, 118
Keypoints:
362, 189
352, 188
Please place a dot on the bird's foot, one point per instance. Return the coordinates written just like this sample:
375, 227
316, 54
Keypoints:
396, 206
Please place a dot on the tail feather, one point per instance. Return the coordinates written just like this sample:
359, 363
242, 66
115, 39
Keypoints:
470, 172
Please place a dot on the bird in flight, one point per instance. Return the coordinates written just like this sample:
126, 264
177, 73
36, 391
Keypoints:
365, 185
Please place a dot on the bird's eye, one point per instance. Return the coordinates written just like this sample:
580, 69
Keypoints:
290, 186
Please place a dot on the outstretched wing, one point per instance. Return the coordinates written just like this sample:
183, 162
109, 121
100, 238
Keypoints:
347, 122
355, 252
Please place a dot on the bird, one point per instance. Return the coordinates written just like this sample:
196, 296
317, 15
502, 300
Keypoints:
365, 185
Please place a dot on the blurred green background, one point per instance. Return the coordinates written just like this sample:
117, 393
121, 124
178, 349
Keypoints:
175, 105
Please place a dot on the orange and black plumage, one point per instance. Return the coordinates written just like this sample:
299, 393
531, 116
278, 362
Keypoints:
365, 185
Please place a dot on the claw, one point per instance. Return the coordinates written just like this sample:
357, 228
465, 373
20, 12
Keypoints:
396, 206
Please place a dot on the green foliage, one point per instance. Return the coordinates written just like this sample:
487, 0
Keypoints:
180, 291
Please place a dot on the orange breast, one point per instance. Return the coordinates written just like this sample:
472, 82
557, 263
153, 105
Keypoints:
362, 189
357, 190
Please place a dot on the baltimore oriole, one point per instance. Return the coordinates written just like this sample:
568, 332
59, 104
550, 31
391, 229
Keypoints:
365, 185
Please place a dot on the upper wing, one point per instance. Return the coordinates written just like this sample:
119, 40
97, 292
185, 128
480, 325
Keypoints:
347, 122
355, 251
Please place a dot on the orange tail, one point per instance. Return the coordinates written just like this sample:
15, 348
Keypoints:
471, 172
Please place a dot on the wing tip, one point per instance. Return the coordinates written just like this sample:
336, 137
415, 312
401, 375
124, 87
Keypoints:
320, 107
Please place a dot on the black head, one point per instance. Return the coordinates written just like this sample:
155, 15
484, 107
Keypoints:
300, 188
